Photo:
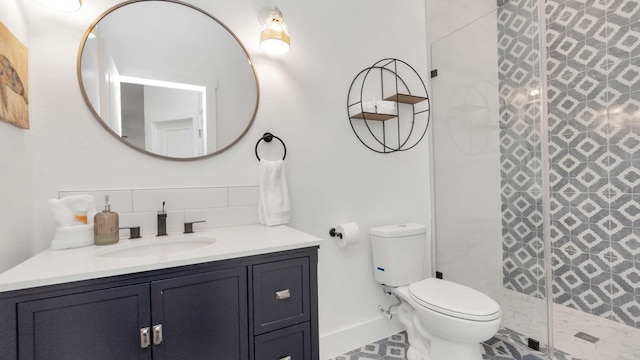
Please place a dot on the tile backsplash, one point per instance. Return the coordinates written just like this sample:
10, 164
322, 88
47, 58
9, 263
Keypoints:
218, 206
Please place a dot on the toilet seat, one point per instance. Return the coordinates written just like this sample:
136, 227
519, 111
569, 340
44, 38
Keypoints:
455, 300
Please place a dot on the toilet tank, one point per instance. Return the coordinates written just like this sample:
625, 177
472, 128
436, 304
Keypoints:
398, 253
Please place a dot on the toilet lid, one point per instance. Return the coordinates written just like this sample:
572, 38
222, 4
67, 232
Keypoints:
454, 300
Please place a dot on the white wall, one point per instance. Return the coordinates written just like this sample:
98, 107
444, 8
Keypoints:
16, 221
332, 177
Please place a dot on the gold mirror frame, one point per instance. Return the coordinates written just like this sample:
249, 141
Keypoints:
106, 126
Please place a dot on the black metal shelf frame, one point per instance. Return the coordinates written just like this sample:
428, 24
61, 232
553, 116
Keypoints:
403, 95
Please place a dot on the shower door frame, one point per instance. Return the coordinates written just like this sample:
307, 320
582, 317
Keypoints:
545, 169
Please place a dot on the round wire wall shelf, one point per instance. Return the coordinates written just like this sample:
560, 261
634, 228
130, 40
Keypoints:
388, 106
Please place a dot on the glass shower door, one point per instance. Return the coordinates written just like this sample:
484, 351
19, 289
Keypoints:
488, 165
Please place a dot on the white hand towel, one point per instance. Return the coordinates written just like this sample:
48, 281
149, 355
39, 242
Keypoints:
69, 237
64, 210
273, 203
70, 212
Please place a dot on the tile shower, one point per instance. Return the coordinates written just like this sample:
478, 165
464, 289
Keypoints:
594, 127
594, 148
587, 134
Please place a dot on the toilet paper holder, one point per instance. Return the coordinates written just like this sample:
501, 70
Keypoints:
334, 233
347, 234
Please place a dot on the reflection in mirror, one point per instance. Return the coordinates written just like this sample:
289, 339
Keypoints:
168, 79
165, 118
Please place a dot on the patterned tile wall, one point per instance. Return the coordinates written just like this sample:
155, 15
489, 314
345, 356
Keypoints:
594, 121
520, 147
593, 69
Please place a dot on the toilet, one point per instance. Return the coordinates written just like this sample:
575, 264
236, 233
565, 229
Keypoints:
444, 320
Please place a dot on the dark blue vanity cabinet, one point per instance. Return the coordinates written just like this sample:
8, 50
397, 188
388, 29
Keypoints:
282, 310
252, 308
92, 325
200, 315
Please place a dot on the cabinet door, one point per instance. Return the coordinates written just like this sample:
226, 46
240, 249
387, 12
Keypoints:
98, 325
203, 316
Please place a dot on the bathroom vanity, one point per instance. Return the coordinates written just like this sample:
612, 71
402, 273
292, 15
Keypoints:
251, 293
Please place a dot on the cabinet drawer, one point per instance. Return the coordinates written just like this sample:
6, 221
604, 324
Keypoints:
292, 343
280, 294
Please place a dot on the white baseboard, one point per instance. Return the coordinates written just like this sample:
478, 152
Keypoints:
346, 339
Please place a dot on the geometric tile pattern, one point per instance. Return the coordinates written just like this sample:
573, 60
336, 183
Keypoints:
594, 91
391, 348
593, 68
520, 148
511, 342
501, 347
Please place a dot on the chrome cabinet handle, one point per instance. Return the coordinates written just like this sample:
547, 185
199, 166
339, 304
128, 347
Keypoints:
145, 337
285, 358
157, 334
281, 295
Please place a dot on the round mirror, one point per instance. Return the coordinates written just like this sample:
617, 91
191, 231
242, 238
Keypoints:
168, 79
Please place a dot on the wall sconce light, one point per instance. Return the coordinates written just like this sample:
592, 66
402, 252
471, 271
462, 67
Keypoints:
62, 5
274, 38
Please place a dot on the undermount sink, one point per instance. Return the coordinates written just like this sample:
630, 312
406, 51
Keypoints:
157, 246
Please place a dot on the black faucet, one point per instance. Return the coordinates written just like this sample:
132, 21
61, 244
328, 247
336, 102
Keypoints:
134, 232
188, 226
162, 222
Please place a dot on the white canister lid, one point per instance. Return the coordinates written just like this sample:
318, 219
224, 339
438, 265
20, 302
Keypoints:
398, 230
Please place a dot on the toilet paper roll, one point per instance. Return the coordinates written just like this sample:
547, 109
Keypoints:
350, 234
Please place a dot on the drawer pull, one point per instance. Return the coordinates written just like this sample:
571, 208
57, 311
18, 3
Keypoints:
285, 358
281, 295
145, 337
157, 334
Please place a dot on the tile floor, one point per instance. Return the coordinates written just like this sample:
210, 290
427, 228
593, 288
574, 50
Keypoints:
528, 315
391, 348
524, 314
501, 347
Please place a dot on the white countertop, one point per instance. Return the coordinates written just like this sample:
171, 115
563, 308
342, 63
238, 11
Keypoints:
62, 266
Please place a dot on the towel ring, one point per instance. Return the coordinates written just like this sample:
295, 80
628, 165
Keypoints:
267, 137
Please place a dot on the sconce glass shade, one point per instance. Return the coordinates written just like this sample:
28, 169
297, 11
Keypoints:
274, 38
62, 5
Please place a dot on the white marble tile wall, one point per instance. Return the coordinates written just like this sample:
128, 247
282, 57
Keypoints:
524, 314
218, 206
